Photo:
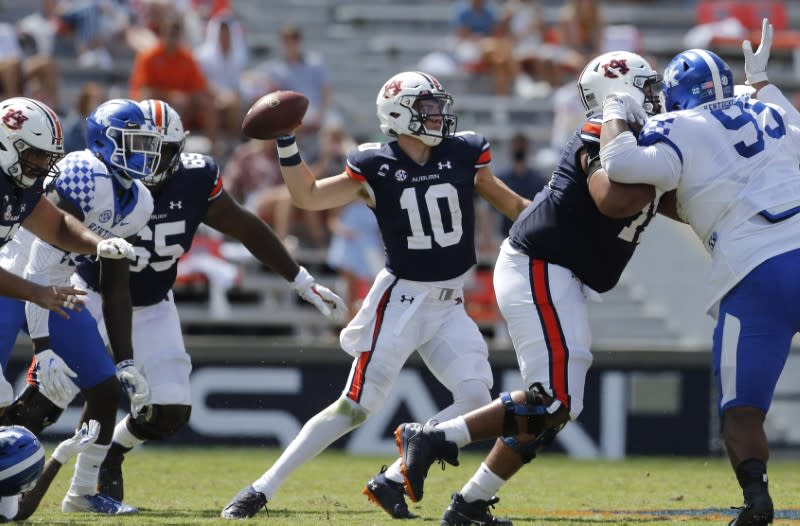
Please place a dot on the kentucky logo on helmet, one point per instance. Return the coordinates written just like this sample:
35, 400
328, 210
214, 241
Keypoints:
13, 119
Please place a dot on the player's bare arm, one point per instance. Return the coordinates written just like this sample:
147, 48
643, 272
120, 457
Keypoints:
117, 308
61, 229
500, 196
225, 215
311, 194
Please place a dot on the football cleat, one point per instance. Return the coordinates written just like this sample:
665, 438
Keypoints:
420, 446
388, 494
757, 511
109, 481
245, 504
463, 513
97, 503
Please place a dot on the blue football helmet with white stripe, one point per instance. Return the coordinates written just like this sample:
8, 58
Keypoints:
695, 77
127, 142
21, 460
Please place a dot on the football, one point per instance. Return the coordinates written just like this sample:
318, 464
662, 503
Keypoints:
275, 114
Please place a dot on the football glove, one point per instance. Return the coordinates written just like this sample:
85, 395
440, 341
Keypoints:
134, 384
328, 303
624, 107
115, 248
755, 64
84, 436
54, 378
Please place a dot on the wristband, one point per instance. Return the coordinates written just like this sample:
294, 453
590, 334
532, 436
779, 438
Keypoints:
288, 153
613, 109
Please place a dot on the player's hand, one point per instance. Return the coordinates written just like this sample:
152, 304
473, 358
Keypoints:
53, 377
115, 248
6, 391
58, 299
624, 107
328, 303
135, 385
755, 64
84, 436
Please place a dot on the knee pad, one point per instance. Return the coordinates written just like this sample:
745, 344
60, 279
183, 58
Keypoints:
528, 449
535, 410
32, 410
157, 422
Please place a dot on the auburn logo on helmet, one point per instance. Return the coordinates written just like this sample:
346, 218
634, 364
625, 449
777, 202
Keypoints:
13, 119
616, 66
392, 88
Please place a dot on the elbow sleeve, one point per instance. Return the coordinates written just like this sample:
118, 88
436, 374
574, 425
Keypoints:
626, 162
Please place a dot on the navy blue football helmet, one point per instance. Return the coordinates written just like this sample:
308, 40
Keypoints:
695, 77
21, 460
127, 142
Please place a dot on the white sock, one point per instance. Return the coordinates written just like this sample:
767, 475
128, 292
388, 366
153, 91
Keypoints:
393, 473
87, 467
482, 486
455, 430
123, 435
321, 431
9, 506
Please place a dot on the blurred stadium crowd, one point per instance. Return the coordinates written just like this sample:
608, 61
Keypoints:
511, 65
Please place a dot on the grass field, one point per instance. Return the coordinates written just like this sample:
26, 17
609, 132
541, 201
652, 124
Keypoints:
191, 485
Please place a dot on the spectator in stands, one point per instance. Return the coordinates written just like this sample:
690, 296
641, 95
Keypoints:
91, 96
581, 27
535, 58
520, 176
93, 24
482, 43
223, 57
301, 71
169, 72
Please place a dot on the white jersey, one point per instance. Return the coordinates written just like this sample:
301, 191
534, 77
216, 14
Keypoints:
85, 183
735, 166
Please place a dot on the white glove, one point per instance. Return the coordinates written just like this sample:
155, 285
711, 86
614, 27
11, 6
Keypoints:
115, 248
624, 107
6, 391
84, 437
328, 303
135, 385
54, 378
755, 64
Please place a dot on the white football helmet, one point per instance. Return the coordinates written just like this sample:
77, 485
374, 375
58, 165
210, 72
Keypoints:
408, 101
31, 140
619, 72
173, 137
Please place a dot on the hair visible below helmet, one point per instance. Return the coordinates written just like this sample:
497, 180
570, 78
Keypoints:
31, 140
124, 139
21, 460
408, 101
173, 137
695, 77
619, 72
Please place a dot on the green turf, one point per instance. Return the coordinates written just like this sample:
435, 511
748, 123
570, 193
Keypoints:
191, 485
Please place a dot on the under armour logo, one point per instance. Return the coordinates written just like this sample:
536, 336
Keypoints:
459, 301
175, 204
13, 119
403, 298
444, 165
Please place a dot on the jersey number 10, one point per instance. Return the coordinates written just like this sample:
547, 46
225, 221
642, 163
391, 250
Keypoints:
418, 240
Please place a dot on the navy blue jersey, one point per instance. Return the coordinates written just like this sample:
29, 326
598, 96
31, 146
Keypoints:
563, 225
425, 212
180, 205
16, 204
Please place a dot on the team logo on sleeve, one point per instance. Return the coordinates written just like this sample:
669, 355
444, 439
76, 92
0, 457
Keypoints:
401, 175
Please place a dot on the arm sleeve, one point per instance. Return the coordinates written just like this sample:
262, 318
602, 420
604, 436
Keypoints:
43, 257
626, 162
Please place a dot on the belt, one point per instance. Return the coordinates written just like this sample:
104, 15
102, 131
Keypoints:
446, 294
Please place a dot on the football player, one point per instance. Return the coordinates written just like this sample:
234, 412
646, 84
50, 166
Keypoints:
572, 242
734, 162
99, 187
31, 143
187, 191
421, 187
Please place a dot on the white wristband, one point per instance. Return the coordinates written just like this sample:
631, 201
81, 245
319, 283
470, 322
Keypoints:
285, 152
614, 109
